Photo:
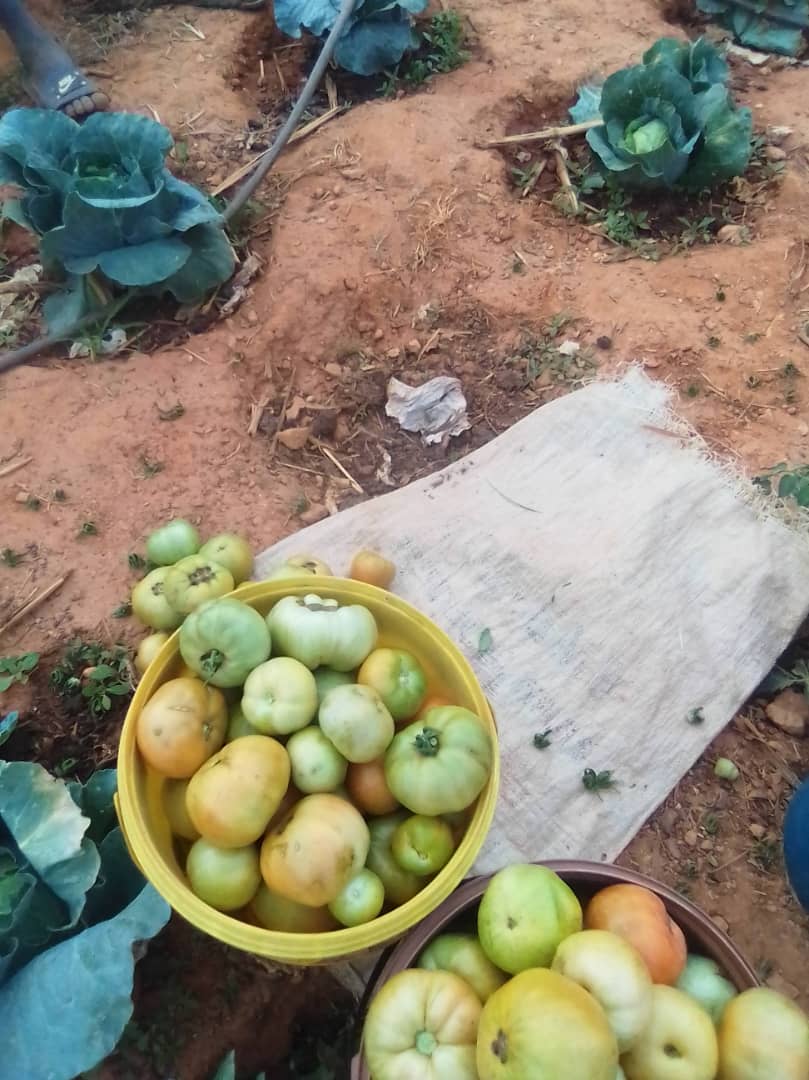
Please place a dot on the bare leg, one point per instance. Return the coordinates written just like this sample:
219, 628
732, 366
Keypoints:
51, 76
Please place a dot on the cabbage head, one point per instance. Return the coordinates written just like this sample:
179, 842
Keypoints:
661, 132
99, 196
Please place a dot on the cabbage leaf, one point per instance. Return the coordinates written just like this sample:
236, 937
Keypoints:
72, 905
377, 35
769, 25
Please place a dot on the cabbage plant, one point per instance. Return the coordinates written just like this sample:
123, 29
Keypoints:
668, 122
376, 37
108, 212
769, 25
72, 906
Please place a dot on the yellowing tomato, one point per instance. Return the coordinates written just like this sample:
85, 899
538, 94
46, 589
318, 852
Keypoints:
276, 912
316, 851
173, 796
398, 678
372, 568
232, 798
148, 650
540, 1024
180, 726
422, 1025
232, 552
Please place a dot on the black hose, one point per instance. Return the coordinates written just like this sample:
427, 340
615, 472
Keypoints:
282, 138
27, 352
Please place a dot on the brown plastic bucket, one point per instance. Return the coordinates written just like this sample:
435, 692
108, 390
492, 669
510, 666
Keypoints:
585, 878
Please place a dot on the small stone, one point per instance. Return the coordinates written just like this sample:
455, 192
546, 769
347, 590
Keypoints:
652, 362
337, 189
706, 844
793, 410
294, 438
774, 153
413, 347
802, 428
379, 334
732, 234
672, 847
365, 326
757, 831
393, 354
252, 316
691, 837
333, 369
604, 342
313, 513
789, 712
720, 923
353, 173
668, 820
778, 134
350, 286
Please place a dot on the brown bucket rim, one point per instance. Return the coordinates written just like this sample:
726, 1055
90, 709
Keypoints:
694, 923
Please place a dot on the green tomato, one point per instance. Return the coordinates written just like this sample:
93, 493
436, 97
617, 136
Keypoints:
193, 580
441, 764
463, 955
280, 696
702, 980
422, 845
238, 724
318, 631
357, 722
225, 878
232, 552
172, 542
360, 901
398, 678
316, 765
149, 602
400, 886
223, 640
299, 566
327, 678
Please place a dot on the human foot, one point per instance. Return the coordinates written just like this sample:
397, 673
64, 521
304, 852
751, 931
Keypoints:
55, 83
50, 75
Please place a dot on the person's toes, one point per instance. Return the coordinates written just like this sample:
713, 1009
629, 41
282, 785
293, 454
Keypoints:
87, 104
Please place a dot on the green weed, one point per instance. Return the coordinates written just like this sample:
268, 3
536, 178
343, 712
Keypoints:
91, 675
440, 50
16, 669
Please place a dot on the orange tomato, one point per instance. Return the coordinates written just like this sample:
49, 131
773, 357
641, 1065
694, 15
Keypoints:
639, 916
432, 701
372, 568
314, 854
232, 798
368, 789
180, 726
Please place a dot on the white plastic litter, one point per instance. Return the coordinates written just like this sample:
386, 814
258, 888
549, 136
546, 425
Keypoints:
435, 409
626, 579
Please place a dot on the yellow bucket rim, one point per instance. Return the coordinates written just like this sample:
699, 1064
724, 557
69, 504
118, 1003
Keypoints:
285, 947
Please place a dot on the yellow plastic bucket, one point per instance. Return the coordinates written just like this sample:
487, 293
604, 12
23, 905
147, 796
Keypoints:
147, 832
